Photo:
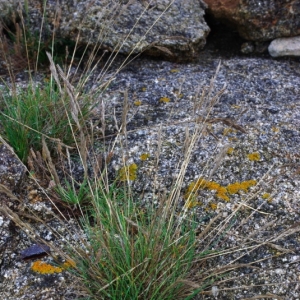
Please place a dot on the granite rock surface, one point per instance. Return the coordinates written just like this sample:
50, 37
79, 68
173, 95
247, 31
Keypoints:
173, 28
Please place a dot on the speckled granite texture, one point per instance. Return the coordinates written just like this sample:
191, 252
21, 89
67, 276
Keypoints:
257, 119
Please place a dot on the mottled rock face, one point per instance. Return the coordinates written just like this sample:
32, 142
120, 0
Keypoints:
259, 20
174, 28
12, 170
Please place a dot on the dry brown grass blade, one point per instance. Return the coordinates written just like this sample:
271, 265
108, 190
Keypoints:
47, 158
54, 71
268, 295
135, 228
278, 248
218, 160
74, 108
124, 112
208, 228
4, 189
164, 50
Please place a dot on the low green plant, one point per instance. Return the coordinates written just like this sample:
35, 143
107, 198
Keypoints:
34, 112
73, 193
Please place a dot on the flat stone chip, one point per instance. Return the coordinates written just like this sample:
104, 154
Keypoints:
34, 251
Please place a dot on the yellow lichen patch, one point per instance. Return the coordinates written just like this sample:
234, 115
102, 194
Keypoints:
44, 268
164, 99
144, 89
144, 156
174, 70
266, 196
253, 156
230, 151
234, 188
137, 102
233, 139
128, 172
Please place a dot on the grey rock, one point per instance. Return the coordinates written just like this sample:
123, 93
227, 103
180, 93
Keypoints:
175, 28
12, 171
285, 47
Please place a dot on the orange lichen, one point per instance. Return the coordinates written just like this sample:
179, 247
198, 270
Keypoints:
144, 156
128, 172
234, 188
44, 268
201, 183
164, 99
221, 191
254, 156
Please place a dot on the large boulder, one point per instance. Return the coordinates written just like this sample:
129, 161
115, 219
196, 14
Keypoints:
259, 20
161, 27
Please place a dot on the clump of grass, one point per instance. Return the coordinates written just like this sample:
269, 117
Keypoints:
73, 193
135, 252
28, 115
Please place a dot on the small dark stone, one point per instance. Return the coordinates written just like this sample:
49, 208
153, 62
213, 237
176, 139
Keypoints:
34, 251
273, 110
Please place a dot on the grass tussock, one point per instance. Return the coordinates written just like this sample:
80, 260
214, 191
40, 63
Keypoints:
134, 252
35, 112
